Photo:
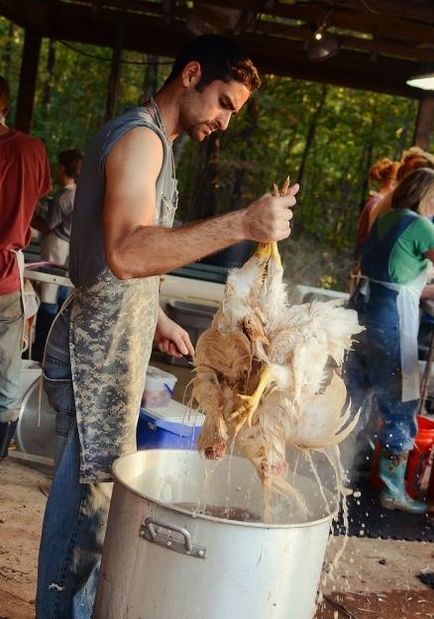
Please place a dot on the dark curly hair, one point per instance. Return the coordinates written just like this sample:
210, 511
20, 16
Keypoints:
219, 59
71, 160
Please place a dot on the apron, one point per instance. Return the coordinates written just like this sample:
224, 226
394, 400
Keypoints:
407, 303
30, 305
112, 330
375, 258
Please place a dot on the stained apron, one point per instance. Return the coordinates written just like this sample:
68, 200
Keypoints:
407, 305
112, 329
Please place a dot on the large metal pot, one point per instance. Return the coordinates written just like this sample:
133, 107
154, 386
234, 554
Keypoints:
36, 429
165, 559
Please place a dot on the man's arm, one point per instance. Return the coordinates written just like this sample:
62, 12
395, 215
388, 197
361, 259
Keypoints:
137, 248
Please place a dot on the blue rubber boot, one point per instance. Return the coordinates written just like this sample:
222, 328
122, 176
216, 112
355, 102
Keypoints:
391, 469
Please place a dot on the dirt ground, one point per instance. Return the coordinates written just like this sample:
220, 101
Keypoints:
375, 578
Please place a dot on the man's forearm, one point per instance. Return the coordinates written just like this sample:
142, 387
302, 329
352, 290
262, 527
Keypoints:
153, 250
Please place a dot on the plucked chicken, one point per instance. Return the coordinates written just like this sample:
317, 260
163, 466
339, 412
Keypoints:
267, 372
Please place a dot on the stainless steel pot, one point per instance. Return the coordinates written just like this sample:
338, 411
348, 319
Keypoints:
36, 429
169, 553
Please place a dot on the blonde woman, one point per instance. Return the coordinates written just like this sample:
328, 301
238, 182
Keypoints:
394, 263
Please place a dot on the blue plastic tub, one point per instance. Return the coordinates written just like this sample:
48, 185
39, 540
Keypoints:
167, 428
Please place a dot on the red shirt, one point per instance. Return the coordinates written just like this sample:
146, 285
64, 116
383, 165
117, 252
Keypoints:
24, 178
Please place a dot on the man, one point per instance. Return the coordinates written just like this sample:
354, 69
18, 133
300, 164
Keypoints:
121, 242
24, 178
56, 232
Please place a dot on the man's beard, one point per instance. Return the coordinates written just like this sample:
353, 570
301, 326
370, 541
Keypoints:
195, 132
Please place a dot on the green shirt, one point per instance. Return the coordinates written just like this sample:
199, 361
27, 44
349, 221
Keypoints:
407, 258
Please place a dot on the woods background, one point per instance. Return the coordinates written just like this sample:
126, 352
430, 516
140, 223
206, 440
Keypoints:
324, 137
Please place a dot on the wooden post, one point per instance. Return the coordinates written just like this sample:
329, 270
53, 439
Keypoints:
28, 77
424, 123
115, 72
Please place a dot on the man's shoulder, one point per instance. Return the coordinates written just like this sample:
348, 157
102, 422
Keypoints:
29, 139
29, 143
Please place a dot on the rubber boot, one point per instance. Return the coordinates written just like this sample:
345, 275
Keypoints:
7, 430
391, 469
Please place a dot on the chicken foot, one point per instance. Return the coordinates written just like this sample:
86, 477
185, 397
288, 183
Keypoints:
251, 402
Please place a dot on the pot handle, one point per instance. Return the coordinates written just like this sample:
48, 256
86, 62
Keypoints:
151, 530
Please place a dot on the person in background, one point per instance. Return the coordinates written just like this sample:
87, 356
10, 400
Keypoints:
24, 178
383, 173
122, 240
394, 263
411, 159
56, 231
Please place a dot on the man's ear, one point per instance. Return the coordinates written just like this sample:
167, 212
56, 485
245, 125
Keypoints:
191, 74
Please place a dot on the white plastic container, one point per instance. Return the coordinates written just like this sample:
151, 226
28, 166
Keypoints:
159, 388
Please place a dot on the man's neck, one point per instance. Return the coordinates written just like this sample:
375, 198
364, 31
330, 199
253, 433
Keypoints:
168, 108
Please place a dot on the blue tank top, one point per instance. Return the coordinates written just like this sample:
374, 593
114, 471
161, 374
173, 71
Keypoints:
87, 259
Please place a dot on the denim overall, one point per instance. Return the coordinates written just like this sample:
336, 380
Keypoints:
385, 361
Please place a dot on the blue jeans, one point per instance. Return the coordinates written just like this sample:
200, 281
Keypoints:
11, 344
374, 366
76, 514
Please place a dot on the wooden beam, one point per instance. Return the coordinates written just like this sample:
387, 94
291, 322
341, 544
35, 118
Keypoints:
115, 72
362, 21
273, 54
348, 68
148, 33
397, 8
372, 45
378, 45
424, 123
28, 77
32, 14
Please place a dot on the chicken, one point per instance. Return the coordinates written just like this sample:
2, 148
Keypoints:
267, 372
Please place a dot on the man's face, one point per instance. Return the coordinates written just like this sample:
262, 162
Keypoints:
204, 112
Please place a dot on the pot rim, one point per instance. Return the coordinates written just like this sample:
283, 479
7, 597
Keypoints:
199, 516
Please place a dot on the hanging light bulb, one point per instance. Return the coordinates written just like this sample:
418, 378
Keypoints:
322, 45
426, 82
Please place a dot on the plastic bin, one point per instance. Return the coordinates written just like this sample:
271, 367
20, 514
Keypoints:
159, 387
169, 427
418, 458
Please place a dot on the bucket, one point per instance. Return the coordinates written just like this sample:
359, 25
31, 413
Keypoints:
418, 457
36, 428
168, 428
170, 552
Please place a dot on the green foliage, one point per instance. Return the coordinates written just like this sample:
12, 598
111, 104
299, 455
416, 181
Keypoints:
323, 135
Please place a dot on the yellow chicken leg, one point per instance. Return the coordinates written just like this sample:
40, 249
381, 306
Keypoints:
251, 402
264, 250
275, 253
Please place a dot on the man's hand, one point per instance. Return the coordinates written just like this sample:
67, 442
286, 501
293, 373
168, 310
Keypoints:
171, 338
268, 218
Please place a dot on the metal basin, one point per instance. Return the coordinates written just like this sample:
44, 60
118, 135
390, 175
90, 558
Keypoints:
170, 552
